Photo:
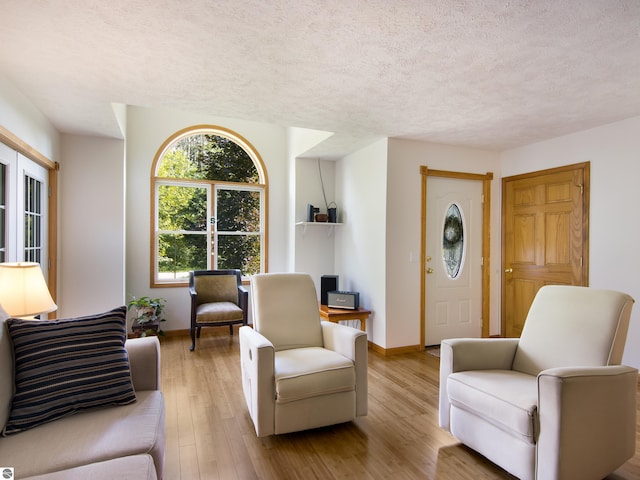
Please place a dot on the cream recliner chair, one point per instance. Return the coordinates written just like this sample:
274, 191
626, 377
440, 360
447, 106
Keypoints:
299, 372
554, 404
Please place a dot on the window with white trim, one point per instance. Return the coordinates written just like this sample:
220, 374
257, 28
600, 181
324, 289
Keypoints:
209, 190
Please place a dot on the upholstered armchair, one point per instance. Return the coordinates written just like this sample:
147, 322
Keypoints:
554, 404
299, 372
217, 299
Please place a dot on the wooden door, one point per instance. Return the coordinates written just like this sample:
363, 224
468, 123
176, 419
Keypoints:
545, 237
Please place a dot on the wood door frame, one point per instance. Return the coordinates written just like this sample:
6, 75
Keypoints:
486, 179
586, 195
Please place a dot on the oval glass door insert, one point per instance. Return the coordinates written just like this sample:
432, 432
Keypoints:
453, 241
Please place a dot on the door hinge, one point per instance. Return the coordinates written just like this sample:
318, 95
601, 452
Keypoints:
482, 198
482, 261
581, 261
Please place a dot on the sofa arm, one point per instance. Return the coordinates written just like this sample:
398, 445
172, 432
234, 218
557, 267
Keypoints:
353, 344
257, 361
587, 420
144, 360
462, 354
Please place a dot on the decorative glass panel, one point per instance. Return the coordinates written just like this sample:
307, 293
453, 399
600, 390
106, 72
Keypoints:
453, 241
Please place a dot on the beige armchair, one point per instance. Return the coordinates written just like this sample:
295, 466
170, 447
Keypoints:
554, 404
299, 372
217, 299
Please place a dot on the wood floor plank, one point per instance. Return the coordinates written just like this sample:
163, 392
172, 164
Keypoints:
210, 434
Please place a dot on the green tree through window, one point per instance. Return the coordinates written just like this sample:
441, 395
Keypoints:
209, 206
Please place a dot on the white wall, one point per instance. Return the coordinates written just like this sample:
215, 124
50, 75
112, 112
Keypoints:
314, 244
311, 249
403, 229
91, 237
147, 129
361, 186
614, 257
20, 117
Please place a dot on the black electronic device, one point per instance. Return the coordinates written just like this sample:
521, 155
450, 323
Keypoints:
333, 214
311, 212
327, 284
348, 300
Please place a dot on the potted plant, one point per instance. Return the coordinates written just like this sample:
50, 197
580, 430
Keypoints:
147, 315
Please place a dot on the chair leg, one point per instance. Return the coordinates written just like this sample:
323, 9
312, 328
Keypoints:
192, 333
231, 329
199, 330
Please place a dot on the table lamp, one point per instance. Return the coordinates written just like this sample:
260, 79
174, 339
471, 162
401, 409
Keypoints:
23, 290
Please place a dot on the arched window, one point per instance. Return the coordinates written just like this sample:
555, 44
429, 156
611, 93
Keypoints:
209, 189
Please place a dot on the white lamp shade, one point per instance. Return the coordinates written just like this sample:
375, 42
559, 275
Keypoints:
23, 290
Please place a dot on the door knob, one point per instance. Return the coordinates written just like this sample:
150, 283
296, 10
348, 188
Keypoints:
429, 270
508, 270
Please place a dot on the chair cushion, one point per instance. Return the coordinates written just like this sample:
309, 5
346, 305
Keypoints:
216, 288
218, 312
66, 366
504, 398
309, 372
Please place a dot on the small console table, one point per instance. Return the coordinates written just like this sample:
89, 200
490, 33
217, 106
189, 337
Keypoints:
336, 314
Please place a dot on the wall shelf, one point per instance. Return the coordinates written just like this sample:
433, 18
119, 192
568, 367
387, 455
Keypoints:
331, 226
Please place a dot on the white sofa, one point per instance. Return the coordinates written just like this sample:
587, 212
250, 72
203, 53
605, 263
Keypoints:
123, 441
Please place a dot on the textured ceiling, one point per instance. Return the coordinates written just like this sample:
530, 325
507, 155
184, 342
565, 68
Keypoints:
481, 73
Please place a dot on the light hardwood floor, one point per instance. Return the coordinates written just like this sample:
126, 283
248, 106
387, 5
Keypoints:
210, 434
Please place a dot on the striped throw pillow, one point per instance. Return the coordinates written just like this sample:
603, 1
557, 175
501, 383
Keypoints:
67, 366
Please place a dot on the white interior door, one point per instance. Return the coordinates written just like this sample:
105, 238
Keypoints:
453, 276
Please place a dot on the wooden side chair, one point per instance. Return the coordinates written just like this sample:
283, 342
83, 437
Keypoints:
217, 299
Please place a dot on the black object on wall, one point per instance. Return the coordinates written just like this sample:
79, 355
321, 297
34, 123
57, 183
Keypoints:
328, 283
333, 214
311, 212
